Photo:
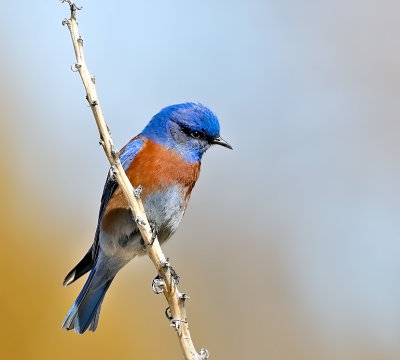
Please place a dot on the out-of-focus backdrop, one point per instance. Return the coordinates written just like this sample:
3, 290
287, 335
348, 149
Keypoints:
290, 247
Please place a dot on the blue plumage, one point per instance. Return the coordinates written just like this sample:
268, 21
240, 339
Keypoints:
129, 152
165, 129
165, 160
85, 311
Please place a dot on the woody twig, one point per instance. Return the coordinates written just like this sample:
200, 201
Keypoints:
165, 282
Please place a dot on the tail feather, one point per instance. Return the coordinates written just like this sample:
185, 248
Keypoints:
81, 268
84, 313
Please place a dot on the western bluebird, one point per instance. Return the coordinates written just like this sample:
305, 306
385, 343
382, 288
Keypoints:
165, 160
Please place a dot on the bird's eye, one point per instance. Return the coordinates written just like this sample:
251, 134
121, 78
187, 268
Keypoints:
197, 134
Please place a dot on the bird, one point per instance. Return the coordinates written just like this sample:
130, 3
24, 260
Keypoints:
164, 159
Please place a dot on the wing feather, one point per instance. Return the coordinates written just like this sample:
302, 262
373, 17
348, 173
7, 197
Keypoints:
127, 155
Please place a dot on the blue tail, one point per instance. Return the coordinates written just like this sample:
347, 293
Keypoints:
84, 313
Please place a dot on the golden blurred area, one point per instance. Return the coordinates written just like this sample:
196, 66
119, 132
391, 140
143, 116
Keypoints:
289, 249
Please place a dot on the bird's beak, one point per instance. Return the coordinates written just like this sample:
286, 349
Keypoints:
220, 141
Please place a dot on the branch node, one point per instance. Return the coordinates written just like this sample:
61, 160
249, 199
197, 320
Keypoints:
72, 5
137, 193
75, 67
113, 171
102, 143
154, 233
204, 354
140, 221
158, 285
76, 7
174, 275
183, 296
114, 151
165, 264
66, 22
176, 323
94, 103
168, 313
93, 78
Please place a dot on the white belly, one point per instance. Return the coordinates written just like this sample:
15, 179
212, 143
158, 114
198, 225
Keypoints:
164, 210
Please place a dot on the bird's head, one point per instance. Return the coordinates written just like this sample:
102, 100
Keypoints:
189, 129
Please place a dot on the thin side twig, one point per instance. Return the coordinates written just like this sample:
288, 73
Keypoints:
166, 283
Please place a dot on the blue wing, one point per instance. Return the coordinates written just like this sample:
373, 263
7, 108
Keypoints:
127, 154
129, 151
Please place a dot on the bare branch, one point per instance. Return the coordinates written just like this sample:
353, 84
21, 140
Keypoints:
167, 279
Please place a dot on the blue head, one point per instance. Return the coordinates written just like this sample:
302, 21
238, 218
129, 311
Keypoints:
189, 129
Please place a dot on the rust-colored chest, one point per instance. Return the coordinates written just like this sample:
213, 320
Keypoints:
156, 168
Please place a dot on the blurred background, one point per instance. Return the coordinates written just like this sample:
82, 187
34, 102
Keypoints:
290, 247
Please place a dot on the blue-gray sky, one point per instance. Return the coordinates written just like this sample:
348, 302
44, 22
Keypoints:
295, 231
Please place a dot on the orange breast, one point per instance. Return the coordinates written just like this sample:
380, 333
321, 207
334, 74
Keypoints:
154, 168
